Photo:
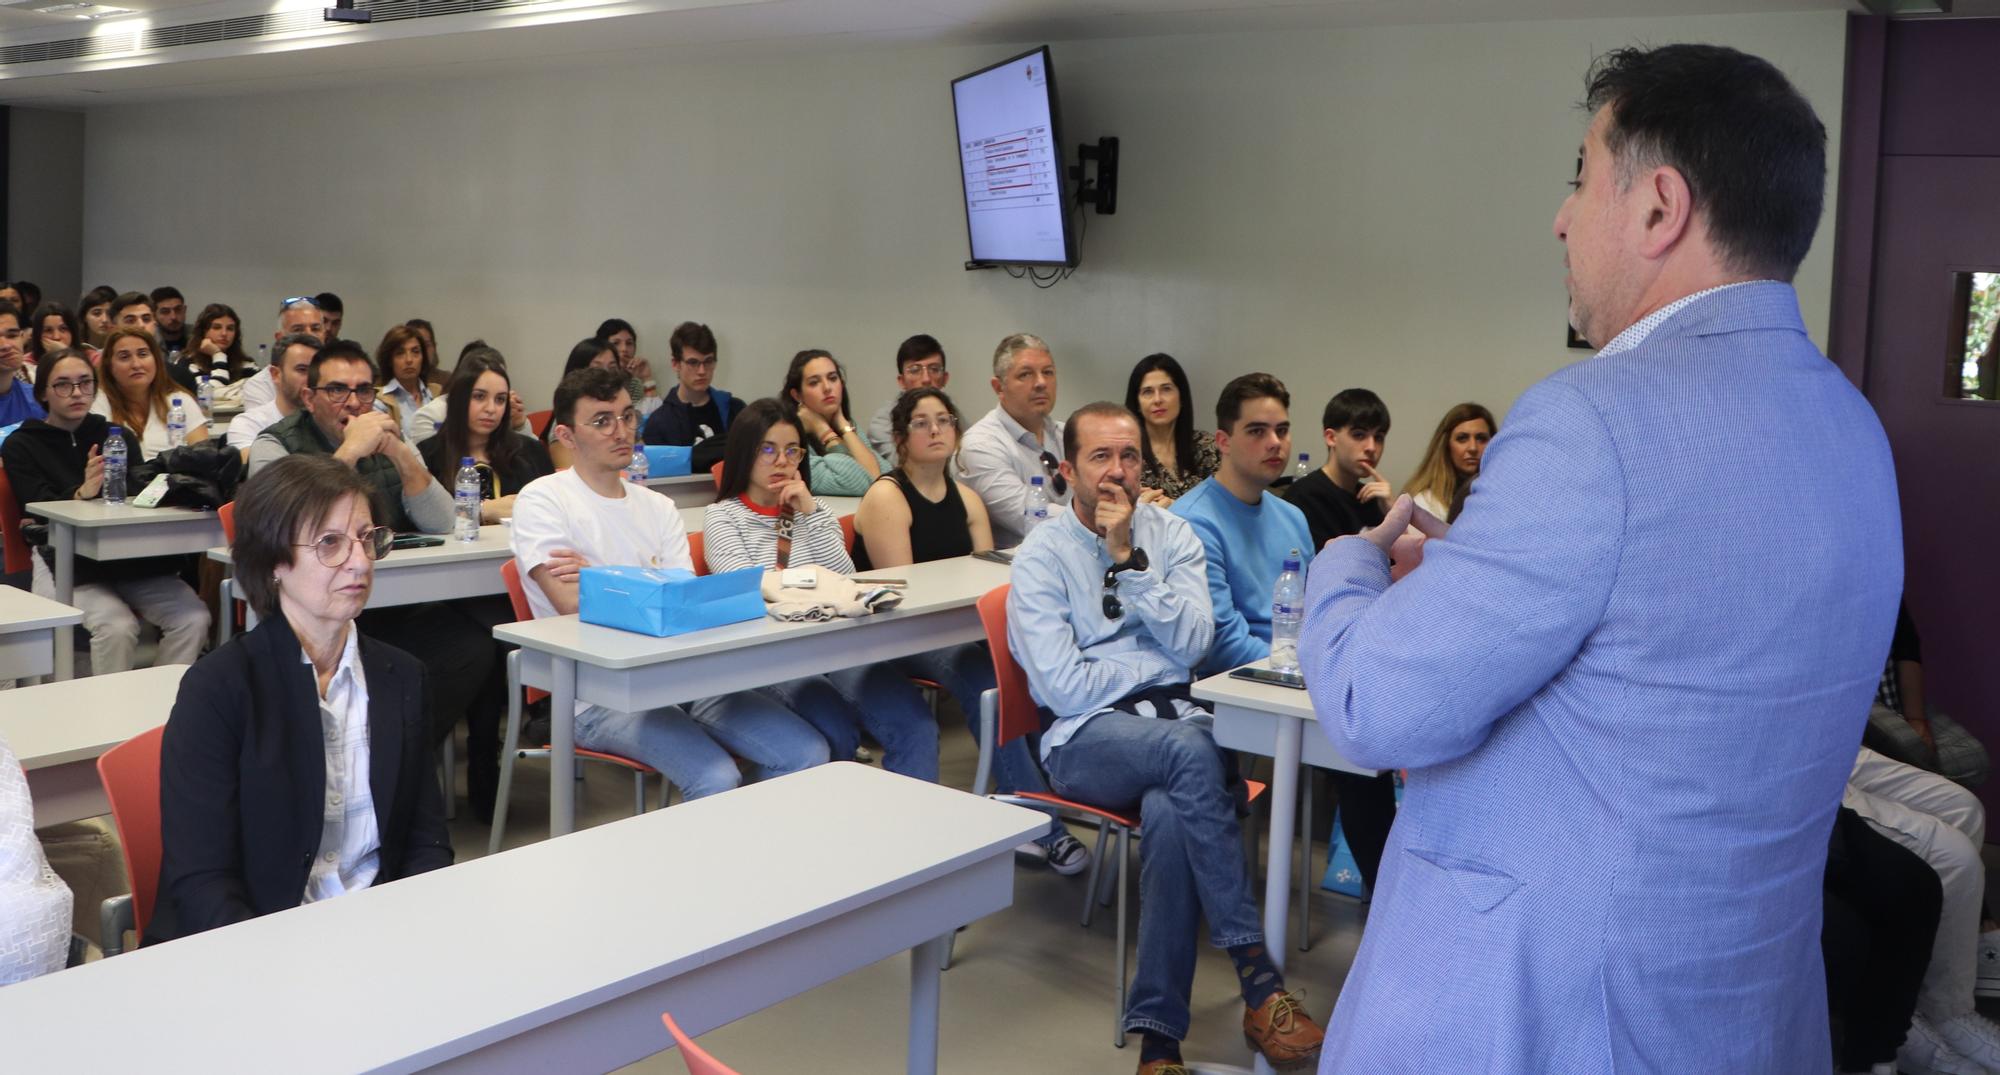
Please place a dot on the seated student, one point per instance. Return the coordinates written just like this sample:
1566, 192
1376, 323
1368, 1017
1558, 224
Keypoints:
766, 516
694, 410
138, 396
1452, 460
1108, 615
1880, 915
623, 340
1903, 724
409, 376
476, 425
1246, 531
12, 295
589, 515
1346, 496
1017, 440
919, 364
291, 359
215, 349
428, 418
170, 318
333, 312
1178, 456
591, 353
31, 294
61, 457
94, 308
133, 310
35, 904
17, 399
917, 513
816, 391
55, 327
295, 315
297, 763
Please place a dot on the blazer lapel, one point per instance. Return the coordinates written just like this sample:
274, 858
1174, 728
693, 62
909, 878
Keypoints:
286, 675
385, 730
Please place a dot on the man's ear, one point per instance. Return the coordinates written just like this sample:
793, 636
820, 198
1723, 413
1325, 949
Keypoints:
996, 386
1222, 441
1667, 203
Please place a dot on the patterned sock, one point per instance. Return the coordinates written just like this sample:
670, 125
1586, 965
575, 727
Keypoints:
1154, 1047
1255, 972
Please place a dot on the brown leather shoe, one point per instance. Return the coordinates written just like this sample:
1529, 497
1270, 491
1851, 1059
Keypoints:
1283, 1032
1163, 1067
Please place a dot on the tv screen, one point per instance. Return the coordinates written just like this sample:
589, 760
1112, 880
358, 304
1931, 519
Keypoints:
1010, 158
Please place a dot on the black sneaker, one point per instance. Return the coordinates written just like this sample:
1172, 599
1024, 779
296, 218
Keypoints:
1068, 856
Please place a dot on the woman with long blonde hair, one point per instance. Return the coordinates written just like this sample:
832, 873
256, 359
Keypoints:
138, 395
1452, 460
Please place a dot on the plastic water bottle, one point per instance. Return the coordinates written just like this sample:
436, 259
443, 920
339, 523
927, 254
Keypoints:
637, 470
263, 355
465, 501
114, 466
1304, 468
1037, 511
204, 393
1288, 605
177, 423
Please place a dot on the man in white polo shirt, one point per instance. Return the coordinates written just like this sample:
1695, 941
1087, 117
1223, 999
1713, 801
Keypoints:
1017, 440
290, 363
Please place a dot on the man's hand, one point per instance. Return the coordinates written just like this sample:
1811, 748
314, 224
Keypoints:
518, 411
1405, 550
1375, 488
565, 565
93, 475
366, 435
1154, 496
1114, 520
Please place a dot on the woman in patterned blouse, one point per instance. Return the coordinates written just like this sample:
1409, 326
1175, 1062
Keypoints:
1178, 456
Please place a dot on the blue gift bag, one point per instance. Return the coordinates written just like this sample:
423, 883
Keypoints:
668, 460
1343, 874
669, 601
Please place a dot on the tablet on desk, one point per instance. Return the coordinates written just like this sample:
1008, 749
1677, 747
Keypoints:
1265, 675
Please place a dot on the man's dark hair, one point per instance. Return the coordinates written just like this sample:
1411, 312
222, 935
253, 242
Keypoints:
1101, 409
126, 301
31, 294
1356, 408
587, 383
690, 335
9, 308
338, 351
285, 343
329, 303
165, 292
273, 507
916, 349
1229, 405
1749, 145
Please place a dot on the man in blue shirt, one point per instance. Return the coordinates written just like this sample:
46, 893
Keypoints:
17, 397
1109, 614
1246, 533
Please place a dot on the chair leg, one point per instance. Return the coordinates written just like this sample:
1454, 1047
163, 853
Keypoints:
1096, 869
507, 751
1305, 828
1109, 881
1119, 875
638, 793
449, 766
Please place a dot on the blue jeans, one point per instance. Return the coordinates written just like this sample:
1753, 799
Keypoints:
693, 749
1191, 860
876, 697
966, 672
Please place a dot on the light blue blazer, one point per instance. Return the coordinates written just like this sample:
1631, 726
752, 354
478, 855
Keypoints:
1628, 687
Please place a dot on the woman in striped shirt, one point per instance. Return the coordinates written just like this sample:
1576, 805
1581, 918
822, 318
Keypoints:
766, 502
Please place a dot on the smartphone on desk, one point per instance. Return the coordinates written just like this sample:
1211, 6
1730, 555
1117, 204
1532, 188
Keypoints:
416, 541
1265, 675
994, 556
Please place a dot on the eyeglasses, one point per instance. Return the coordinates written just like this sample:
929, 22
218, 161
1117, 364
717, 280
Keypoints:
792, 452
1113, 608
697, 363
333, 548
919, 369
941, 423
602, 423
286, 304
1056, 481
337, 393
84, 387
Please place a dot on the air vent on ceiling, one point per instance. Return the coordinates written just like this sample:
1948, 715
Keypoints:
236, 29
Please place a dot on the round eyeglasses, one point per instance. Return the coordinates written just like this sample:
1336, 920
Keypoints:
333, 548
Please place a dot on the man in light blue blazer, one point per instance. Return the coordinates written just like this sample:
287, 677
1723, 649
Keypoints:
1628, 685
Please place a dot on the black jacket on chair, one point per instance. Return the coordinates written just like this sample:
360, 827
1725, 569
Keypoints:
243, 780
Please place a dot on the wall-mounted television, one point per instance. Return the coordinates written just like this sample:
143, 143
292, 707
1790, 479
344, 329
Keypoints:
1017, 204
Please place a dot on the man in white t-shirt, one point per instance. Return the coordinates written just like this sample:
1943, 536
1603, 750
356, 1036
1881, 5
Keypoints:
290, 363
587, 515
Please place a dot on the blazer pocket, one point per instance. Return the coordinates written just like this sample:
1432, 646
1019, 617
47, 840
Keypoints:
1479, 886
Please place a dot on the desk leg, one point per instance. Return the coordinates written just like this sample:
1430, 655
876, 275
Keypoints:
926, 981
1284, 795
64, 537
562, 747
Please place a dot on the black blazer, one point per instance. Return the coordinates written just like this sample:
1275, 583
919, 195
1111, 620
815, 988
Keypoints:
243, 780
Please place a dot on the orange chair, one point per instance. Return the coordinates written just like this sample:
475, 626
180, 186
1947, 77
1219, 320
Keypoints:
130, 772
698, 551
696, 1058
539, 421
1007, 713
847, 532
512, 749
226, 515
716, 473
13, 547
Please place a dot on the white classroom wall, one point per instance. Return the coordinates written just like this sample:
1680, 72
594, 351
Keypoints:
1335, 207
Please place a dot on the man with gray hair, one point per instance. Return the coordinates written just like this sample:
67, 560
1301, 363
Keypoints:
298, 314
1017, 440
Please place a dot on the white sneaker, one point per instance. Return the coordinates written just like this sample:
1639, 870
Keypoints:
1925, 1052
1988, 982
1972, 1036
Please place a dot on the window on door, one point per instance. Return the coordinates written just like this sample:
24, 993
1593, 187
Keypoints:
1973, 365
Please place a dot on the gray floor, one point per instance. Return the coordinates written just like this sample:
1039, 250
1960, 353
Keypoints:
1031, 991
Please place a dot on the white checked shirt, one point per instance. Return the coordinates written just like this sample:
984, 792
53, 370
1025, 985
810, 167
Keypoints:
350, 844
1636, 335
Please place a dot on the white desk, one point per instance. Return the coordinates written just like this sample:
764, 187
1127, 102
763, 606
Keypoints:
693, 516
561, 955
1277, 723
444, 572
28, 629
686, 490
60, 729
103, 531
579, 662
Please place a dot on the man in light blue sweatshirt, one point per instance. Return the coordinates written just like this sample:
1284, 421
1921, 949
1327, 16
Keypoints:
1246, 531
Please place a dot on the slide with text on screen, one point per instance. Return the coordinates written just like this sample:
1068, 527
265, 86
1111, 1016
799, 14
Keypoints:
1006, 140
